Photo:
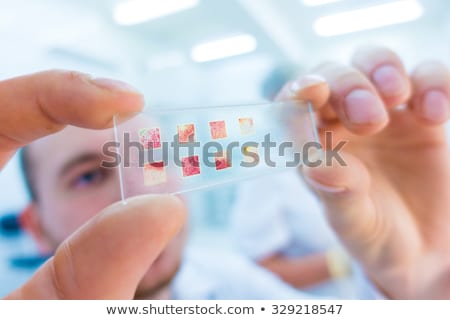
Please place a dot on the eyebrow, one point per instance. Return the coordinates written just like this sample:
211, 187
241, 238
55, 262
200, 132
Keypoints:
82, 158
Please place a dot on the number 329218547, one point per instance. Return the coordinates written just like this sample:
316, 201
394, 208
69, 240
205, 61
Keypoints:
307, 309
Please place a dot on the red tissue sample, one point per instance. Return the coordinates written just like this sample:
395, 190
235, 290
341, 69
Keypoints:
221, 161
190, 165
218, 129
186, 133
150, 138
246, 125
154, 173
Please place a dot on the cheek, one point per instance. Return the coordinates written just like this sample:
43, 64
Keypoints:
61, 217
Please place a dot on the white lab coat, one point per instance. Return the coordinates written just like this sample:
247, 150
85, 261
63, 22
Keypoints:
278, 214
224, 275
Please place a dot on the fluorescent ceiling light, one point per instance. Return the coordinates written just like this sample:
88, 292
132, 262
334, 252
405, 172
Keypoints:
313, 3
138, 11
223, 48
368, 18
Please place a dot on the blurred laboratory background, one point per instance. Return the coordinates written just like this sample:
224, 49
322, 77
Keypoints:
197, 53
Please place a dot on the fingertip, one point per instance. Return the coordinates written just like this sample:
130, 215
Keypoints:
365, 113
114, 86
386, 71
127, 98
317, 94
172, 205
169, 208
393, 84
369, 58
431, 100
88, 102
313, 88
434, 109
354, 99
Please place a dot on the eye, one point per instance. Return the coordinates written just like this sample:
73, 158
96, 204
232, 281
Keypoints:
88, 178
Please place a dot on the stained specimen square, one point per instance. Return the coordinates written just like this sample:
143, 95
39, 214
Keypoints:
150, 138
190, 166
218, 129
222, 161
186, 133
154, 173
251, 155
246, 125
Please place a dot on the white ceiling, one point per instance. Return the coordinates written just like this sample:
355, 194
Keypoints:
82, 35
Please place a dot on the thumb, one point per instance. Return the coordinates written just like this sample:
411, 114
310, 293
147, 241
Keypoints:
345, 193
107, 257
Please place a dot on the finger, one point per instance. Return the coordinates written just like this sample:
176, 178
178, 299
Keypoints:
387, 73
40, 104
344, 191
363, 222
431, 99
311, 88
354, 99
107, 258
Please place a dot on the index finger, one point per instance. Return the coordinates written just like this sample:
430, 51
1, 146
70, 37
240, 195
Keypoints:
312, 88
40, 104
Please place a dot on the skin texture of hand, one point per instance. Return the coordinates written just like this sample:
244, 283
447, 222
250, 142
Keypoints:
107, 257
391, 204
300, 272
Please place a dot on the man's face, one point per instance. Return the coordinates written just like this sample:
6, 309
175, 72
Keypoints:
71, 187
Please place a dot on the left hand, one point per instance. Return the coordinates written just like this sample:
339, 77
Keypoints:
109, 255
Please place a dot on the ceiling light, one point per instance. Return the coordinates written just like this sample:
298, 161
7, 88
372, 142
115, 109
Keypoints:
368, 18
223, 48
138, 11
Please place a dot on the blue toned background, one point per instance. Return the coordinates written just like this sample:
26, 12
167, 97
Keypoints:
160, 57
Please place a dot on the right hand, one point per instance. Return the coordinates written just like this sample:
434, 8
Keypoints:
391, 204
